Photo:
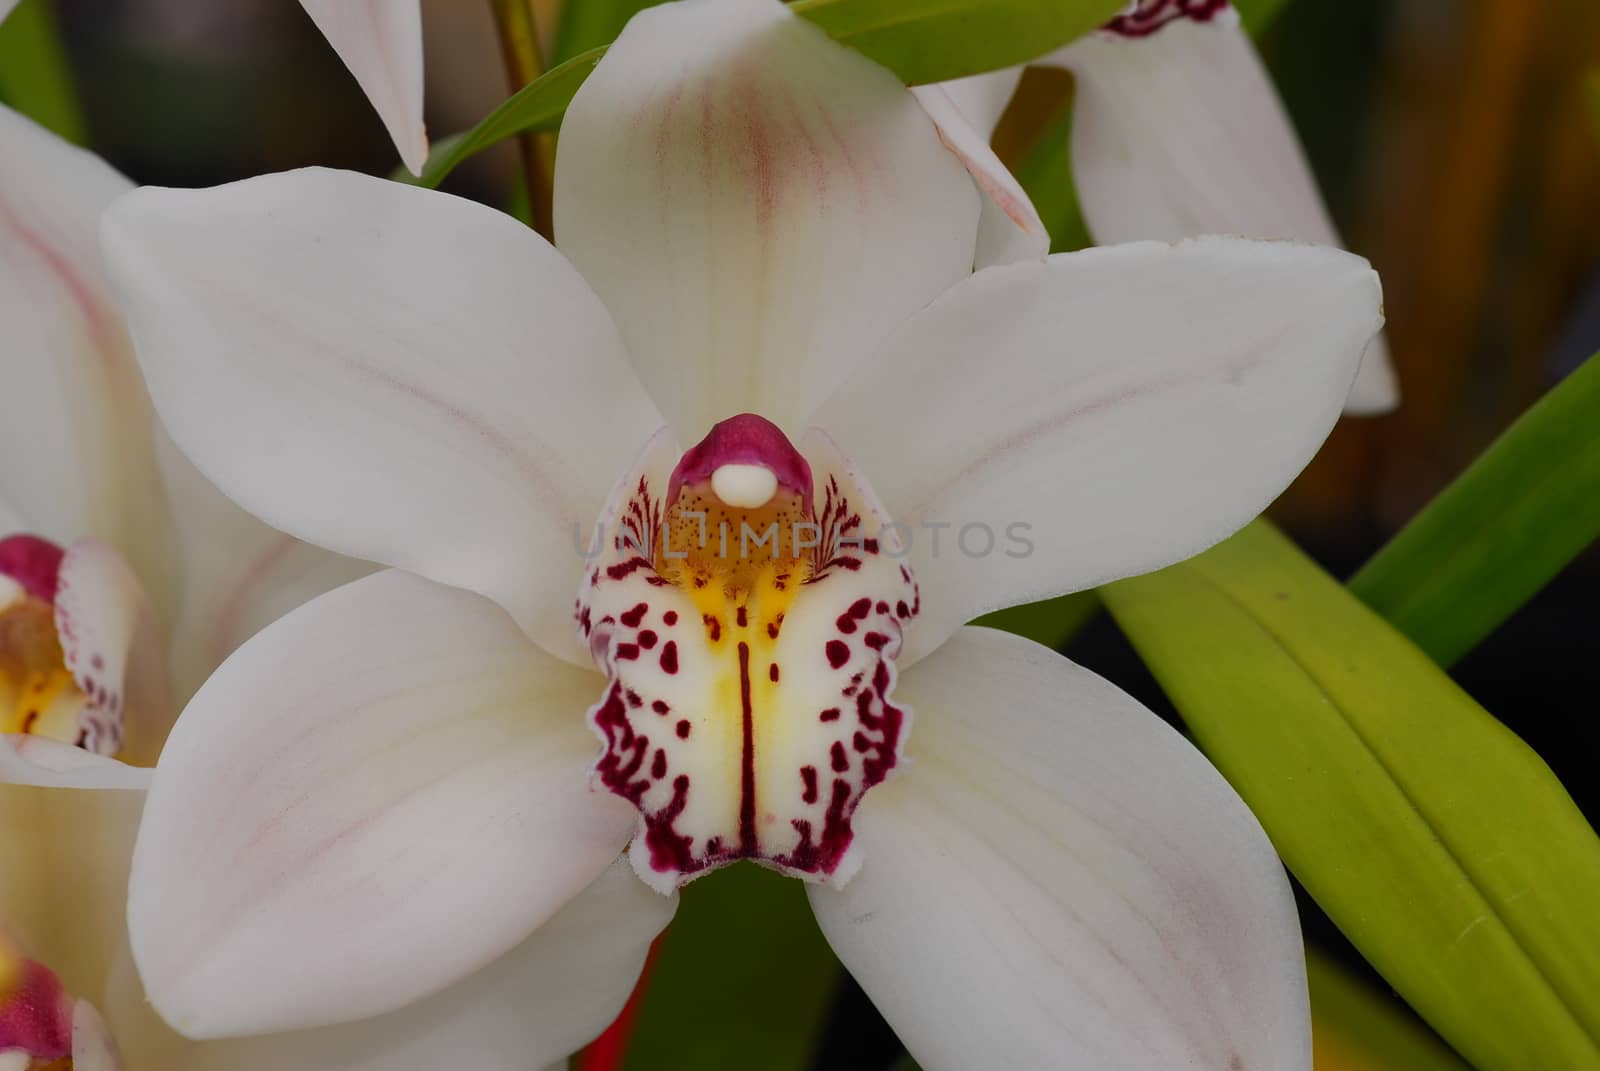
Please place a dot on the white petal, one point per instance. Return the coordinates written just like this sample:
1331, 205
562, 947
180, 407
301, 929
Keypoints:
75, 455
1009, 227
982, 98
112, 644
63, 889
6, 7
41, 761
93, 1047
238, 574
392, 373
1062, 881
757, 205
377, 795
1103, 414
381, 42
1180, 133
544, 999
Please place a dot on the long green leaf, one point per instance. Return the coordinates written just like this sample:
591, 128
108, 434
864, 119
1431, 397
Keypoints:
1356, 1029
34, 77
1496, 535
919, 40
744, 979
1441, 845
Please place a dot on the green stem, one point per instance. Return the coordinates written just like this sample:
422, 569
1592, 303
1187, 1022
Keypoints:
519, 49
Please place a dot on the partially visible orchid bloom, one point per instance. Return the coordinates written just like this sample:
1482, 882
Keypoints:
124, 579
381, 42
1178, 131
766, 251
42, 1027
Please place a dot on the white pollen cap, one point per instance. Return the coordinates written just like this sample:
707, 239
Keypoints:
744, 486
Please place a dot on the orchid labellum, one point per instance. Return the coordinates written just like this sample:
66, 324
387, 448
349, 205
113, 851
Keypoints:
684, 522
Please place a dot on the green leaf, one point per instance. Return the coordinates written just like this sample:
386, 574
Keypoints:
934, 40
920, 40
743, 971
34, 76
1497, 534
587, 24
1441, 845
1052, 622
1354, 1028
539, 105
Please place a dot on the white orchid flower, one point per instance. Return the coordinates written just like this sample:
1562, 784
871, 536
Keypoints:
1178, 131
107, 535
394, 791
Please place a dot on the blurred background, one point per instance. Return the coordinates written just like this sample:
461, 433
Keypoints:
1457, 143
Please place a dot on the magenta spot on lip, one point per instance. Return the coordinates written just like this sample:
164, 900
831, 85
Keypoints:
838, 653
669, 657
808, 777
669, 618
683, 730
632, 618
746, 439
660, 706
36, 1017
34, 563
831, 714
647, 639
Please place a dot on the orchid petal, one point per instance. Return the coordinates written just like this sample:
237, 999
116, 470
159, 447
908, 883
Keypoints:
6, 7
1061, 880
381, 42
392, 373
361, 777
238, 574
75, 457
983, 98
47, 763
93, 1048
1180, 132
758, 206
1100, 415
114, 649
1009, 227
544, 999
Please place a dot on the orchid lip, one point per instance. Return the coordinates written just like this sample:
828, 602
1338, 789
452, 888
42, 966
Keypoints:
750, 669
1145, 17
51, 684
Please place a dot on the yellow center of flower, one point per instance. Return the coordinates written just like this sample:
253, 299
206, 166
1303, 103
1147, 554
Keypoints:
38, 695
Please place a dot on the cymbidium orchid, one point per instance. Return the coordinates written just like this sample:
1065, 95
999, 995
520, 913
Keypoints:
749, 649
124, 578
1177, 131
